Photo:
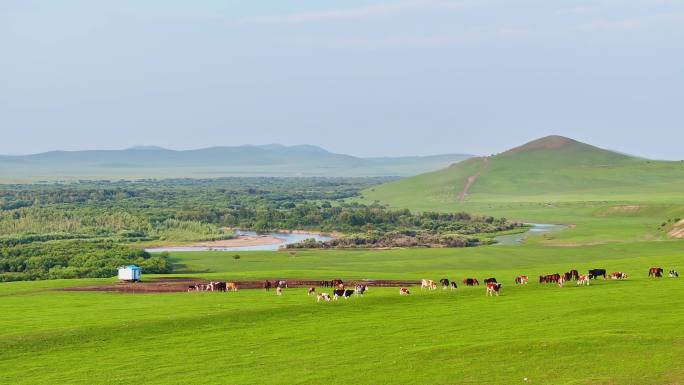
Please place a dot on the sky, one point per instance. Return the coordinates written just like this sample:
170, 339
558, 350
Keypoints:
366, 78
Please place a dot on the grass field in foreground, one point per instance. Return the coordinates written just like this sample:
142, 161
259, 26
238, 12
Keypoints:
612, 332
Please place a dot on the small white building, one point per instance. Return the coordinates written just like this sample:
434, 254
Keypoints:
130, 273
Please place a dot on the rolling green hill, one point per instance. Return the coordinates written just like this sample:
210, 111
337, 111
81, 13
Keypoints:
157, 162
553, 179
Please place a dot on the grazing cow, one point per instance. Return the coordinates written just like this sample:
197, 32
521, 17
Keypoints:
521, 280
453, 285
618, 275
427, 283
222, 286
574, 274
232, 286
493, 288
445, 283
583, 280
323, 296
656, 272
567, 276
360, 289
267, 285
279, 290
312, 290
471, 281
342, 293
404, 291
595, 273
673, 274
198, 287
551, 278
561, 281
490, 280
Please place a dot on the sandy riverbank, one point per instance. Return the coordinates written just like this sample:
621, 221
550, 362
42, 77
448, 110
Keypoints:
240, 241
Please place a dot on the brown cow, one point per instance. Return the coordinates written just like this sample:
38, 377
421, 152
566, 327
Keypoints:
655, 272
404, 291
575, 274
232, 286
471, 281
521, 280
493, 288
618, 275
551, 278
583, 280
561, 281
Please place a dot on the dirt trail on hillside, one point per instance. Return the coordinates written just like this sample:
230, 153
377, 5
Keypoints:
176, 285
472, 179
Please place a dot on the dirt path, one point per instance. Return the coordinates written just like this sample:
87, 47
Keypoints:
176, 285
677, 230
472, 179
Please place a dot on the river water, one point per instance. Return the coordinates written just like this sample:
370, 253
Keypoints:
287, 239
290, 238
536, 229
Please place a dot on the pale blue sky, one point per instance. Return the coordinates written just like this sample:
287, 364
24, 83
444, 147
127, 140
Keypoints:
360, 77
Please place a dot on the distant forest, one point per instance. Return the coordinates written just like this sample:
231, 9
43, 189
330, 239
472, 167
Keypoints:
87, 229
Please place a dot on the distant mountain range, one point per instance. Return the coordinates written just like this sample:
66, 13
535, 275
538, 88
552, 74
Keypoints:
157, 162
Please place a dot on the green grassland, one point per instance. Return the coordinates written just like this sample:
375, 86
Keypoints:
626, 332
608, 196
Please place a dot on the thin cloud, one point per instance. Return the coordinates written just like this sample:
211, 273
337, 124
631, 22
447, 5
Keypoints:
353, 13
580, 10
611, 25
396, 42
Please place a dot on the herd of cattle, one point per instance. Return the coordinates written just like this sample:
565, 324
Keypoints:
493, 287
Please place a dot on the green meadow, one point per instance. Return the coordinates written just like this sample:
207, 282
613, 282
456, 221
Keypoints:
626, 332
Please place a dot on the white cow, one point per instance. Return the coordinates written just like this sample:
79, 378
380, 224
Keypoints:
428, 283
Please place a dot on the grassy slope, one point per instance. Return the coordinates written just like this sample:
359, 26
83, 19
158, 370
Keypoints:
575, 184
611, 332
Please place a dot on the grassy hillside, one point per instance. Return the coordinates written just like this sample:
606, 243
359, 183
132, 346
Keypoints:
553, 179
155, 162
626, 332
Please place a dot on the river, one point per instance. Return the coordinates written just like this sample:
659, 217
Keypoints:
536, 229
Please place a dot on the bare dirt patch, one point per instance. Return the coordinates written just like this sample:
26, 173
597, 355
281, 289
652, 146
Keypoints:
625, 209
677, 230
240, 241
176, 285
